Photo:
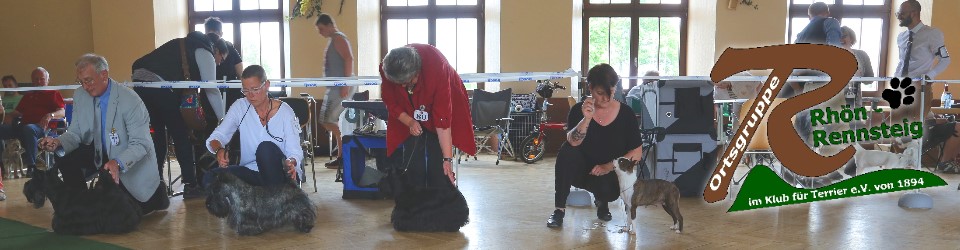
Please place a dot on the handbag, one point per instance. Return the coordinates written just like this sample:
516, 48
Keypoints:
190, 108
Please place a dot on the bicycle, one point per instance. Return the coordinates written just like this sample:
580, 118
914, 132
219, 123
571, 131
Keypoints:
534, 145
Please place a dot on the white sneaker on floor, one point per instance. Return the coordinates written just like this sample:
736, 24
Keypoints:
3, 195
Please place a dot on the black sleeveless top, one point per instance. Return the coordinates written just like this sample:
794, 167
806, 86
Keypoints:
165, 60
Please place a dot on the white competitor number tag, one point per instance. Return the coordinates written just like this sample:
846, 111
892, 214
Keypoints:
421, 115
114, 138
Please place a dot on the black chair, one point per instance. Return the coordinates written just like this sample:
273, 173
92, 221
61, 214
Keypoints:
303, 108
491, 117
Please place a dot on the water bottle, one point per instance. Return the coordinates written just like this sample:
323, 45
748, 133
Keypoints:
946, 99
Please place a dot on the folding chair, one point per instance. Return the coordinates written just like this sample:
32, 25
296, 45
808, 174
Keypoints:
491, 117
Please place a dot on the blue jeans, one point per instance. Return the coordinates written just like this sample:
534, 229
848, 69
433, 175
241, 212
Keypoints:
270, 163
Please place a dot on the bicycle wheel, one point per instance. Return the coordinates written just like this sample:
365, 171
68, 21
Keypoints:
532, 148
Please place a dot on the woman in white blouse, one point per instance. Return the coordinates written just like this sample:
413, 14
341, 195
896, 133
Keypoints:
269, 135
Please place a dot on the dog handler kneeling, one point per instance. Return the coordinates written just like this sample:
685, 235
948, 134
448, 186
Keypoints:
112, 118
603, 130
270, 150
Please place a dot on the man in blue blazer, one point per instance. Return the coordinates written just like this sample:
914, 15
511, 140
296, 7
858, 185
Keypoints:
113, 119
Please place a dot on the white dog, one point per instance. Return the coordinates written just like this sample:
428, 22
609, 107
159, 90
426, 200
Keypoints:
875, 158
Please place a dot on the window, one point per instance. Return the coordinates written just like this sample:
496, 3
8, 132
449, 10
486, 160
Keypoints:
418, 21
635, 36
255, 27
870, 19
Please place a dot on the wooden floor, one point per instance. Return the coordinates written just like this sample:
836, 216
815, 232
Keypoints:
510, 203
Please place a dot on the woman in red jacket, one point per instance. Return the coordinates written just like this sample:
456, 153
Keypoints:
425, 97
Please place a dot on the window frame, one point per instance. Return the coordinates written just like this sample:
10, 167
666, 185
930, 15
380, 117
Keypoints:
236, 16
431, 12
838, 10
635, 10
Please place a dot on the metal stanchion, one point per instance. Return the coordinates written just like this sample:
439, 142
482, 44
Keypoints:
917, 199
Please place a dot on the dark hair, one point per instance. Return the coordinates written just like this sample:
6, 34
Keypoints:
324, 19
254, 71
603, 75
213, 24
914, 4
9, 78
217, 43
818, 8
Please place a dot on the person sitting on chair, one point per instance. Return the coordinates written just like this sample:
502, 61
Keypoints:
602, 131
270, 150
35, 111
110, 113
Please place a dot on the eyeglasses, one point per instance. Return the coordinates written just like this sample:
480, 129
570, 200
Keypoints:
904, 12
85, 82
256, 90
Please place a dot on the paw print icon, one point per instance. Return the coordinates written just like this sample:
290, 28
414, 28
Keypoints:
899, 92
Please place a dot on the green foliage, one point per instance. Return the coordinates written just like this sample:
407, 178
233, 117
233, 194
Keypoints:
658, 46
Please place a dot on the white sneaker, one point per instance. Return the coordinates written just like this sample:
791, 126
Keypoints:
3, 195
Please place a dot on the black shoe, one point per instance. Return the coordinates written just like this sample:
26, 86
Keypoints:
603, 211
556, 219
191, 191
335, 164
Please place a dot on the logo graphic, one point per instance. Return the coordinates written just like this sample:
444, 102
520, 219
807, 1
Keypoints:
893, 96
763, 187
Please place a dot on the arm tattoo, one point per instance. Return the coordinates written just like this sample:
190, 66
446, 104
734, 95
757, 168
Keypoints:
577, 135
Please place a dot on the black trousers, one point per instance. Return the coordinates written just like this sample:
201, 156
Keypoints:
424, 161
74, 176
272, 171
572, 169
164, 108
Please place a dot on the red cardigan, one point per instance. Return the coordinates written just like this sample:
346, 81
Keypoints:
440, 91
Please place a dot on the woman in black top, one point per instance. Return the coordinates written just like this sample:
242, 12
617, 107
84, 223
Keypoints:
602, 130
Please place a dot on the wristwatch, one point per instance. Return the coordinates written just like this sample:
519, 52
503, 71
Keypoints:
450, 159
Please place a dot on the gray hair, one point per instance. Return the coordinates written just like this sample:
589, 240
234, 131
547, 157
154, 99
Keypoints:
401, 64
41, 69
98, 62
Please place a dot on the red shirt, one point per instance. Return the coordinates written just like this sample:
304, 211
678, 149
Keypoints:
36, 104
439, 92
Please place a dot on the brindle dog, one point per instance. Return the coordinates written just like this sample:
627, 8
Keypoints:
639, 192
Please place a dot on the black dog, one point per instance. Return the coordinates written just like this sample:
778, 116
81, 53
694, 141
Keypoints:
430, 209
34, 191
80, 211
252, 210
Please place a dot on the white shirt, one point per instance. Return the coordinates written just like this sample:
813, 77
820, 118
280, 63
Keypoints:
927, 46
242, 115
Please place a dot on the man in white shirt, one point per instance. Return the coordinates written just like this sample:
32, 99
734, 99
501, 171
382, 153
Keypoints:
920, 46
